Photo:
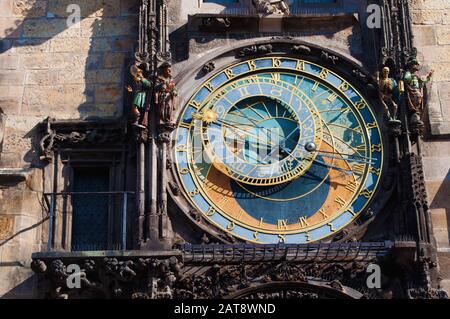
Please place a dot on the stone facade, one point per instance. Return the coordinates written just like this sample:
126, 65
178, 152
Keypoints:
48, 68
432, 37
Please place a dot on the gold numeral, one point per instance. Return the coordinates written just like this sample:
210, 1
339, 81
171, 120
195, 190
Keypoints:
352, 186
252, 65
281, 238
300, 65
276, 62
195, 104
229, 73
231, 226
181, 148
360, 105
340, 201
358, 168
276, 77
303, 222
375, 171
244, 91
324, 215
184, 171
344, 86
282, 224
315, 87
256, 236
376, 148
324, 74
332, 97
211, 211
366, 193
194, 192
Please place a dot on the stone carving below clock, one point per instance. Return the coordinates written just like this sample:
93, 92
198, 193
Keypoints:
268, 7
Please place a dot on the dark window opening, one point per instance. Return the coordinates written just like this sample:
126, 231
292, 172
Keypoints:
90, 211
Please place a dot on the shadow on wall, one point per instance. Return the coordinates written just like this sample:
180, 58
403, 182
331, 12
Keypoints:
442, 201
68, 67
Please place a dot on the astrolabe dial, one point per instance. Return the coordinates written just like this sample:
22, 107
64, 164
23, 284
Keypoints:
279, 149
256, 134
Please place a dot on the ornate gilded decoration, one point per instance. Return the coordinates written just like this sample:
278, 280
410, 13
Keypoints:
389, 92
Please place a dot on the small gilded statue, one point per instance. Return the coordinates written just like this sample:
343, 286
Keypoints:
166, 93
389, 93
415, 85
139, 88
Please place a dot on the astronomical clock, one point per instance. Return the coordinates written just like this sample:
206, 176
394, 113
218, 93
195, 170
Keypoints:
279, 149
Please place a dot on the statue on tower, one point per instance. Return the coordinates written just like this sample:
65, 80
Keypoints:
415, 85
389, 93
139, 87
166, 93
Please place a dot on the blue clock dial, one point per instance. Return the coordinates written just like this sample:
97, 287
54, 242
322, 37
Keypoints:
279, 150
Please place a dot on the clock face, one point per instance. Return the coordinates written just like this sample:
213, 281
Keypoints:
278, 149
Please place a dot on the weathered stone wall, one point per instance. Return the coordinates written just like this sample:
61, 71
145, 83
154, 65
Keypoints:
48, 68
431, 19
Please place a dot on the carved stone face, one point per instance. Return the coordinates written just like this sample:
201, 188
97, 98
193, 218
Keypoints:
386, 72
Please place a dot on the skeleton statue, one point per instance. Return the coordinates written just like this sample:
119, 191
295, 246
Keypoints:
389, 93
166, 93
271, 6
139, 88
415, 85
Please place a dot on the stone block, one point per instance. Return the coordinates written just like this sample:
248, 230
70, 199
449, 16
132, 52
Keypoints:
12, 78
9, 62
444, 264
104, 76
442, 237
29, 8
50, 28
89, 8
130, 7
7, 224
42, 77
436, 53
114, 60
10, 28
26, 46
443, 34
108, 93
70, 45
112, 44
424, 35
440, 219
6, 8
103, 110
17, 282
427, 16
11, 105
40, 100
67, 61
96, 27
429, 4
